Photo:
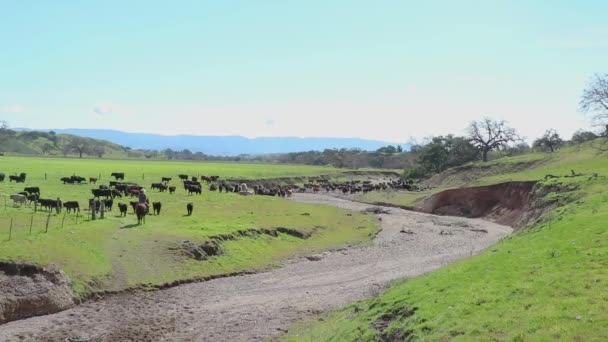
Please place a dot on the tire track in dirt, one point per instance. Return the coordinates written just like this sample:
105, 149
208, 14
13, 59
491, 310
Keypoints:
258, 306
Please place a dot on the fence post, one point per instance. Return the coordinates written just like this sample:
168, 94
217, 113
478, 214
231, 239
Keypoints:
63, 219
10, 230
102, 209
31, 223
48, 218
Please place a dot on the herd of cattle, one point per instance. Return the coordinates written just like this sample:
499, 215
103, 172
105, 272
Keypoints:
104, 195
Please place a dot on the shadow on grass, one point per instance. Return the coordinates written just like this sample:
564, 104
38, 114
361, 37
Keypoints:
130, 226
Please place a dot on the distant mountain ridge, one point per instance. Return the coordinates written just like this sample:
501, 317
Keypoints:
225, 145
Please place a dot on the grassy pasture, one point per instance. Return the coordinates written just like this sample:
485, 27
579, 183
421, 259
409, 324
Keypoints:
114, 253
547, 282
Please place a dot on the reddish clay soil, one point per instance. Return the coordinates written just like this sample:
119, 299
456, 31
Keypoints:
506, 203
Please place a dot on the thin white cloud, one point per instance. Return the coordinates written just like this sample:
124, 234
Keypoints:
12, 109
102, 109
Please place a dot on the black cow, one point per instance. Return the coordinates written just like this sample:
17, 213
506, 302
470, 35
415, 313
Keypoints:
32, 198
115, 193
71, 205
194, 189
32, 190
118, 175
171, 189
166, 179
189, 208
108, 203
17, 179
156, 207
183, 177
123, 209
212, 187
101, 192
50, 203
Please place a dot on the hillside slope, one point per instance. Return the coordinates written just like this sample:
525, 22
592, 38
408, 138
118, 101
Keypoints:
545, 282
43, 143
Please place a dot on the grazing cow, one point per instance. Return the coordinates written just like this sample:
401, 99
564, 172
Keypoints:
194, 189
32, 198
123, 209
189, 208
165, 179
156, 186
118, 175
92, 180
50, 203
108, 203
171, 189
183, 177
212, 187
32, 190
101, 192
141, 209
18, 199
17, 179
156, 207
71, 205
115, 193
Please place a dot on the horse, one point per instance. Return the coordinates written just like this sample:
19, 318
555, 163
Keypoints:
141, 209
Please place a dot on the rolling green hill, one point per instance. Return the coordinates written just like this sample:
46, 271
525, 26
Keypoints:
43, 143
546, 282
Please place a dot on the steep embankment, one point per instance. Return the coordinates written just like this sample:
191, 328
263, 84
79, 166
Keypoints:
545, 282
510, 203
29, 290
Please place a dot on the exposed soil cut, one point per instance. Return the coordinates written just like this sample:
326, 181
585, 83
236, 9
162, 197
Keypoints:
28, 290
506, 203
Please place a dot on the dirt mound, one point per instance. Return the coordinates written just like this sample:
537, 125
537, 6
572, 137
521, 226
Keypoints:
200, 251
505, 203
28, 290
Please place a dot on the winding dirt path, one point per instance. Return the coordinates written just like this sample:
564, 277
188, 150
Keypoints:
257, 306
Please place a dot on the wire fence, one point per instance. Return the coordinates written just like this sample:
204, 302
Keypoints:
29, 220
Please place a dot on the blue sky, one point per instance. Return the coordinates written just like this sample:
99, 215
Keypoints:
388, 70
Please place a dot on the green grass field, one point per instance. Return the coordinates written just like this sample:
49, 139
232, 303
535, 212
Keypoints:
114, 253
547, 282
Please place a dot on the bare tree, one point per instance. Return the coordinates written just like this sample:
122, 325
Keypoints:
79, 145
489, 134
595, 99
550, 140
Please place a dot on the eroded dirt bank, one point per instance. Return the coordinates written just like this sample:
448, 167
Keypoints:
27, 289
507, 203
257, 306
